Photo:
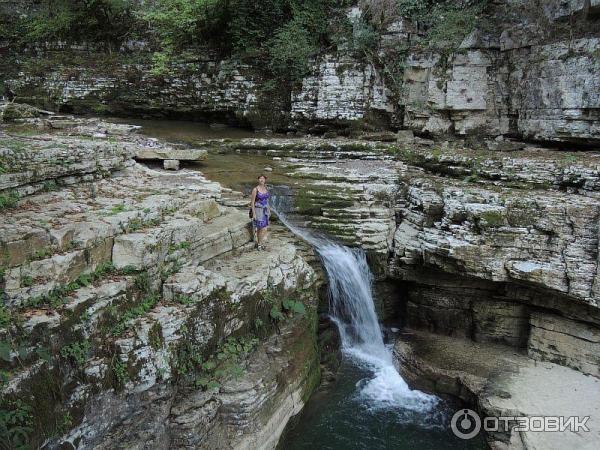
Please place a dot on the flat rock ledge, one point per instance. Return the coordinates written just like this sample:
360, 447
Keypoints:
180, 154
135, 308
497, 380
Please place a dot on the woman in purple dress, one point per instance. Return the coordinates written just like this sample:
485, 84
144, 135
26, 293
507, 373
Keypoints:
261, 211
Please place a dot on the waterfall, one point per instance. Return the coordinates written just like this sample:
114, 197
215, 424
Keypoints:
353, 310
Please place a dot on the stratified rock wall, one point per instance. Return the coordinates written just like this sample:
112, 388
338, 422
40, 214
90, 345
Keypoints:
205, 88
496, 251
135, 311
341, 90
529, 70
494, 246
530, 77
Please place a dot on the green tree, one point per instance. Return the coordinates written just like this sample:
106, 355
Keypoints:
180, 23
106, 21
290, 51
253, 23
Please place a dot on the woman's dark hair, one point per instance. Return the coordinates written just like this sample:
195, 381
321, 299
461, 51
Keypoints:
262, 176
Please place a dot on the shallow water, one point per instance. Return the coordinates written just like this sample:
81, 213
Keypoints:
240, 171
233, 170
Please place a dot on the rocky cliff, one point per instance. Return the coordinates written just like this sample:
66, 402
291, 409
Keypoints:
135, 312
528, 70
131, 291
496, 246
123, 285
498, 250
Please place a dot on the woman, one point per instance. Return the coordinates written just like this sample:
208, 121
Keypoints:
261, 211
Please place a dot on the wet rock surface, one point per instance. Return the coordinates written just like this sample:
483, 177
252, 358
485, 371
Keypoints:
149, 273
167, 154
496, 251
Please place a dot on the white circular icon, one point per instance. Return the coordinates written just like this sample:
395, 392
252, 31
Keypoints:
465, 424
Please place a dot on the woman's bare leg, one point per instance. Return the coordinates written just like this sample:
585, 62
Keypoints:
262, 236
265, 235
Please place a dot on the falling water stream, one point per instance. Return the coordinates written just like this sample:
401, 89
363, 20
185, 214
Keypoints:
353, 310
370, 406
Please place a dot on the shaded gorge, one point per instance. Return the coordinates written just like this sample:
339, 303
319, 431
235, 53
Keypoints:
368, 404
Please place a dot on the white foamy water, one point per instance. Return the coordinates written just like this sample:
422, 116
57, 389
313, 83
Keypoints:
352, 306
353, 310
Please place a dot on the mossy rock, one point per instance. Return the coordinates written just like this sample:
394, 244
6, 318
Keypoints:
10, 112
492, 219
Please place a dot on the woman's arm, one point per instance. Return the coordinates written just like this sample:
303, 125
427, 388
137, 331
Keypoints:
253, 202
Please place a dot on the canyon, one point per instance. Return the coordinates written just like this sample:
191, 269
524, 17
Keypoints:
136, 312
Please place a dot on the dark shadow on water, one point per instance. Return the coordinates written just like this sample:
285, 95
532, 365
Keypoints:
187, 131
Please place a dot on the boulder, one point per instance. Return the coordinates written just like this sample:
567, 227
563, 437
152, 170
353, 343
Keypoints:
11, 112
405, 137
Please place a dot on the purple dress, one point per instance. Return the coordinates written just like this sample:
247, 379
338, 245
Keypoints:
261, 209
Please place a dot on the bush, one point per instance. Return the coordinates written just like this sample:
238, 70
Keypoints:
444, 23
290, 51
380, 12
452, 23
364, 39
9, 200
253, 23
16, 424
106, 21
287, 33
160, 63
76, 352
180, 23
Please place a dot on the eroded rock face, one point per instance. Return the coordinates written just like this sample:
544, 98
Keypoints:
148, 273
341, 90
346, 187
500, 236
248, 412
137, 295
490, 245
211, 88
496, 255
517, 74
527, 70
496, 381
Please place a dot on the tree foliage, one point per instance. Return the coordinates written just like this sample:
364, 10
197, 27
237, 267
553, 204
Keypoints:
179, 23
281, 36
444, 23
293, 44
107, 21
